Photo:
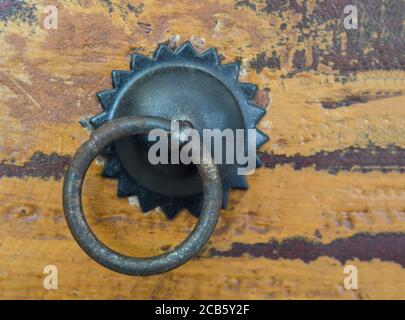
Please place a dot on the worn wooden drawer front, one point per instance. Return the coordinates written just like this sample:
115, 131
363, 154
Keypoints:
332, 192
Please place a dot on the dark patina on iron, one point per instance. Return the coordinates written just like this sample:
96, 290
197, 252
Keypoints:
184, 86
175, 85
88, 241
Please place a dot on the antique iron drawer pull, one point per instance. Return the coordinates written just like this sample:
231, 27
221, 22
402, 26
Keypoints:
88, 241
172, 85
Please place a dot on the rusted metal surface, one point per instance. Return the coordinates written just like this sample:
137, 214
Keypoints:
88, 241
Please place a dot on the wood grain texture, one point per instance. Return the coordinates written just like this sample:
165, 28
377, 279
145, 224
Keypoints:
332, 191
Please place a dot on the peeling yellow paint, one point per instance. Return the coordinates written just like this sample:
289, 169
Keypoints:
55, 76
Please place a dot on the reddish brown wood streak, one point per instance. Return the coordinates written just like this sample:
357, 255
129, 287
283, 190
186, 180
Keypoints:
362, 246
40, 165
358, 99
373, 158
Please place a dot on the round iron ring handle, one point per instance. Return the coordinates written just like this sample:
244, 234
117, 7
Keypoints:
88, 241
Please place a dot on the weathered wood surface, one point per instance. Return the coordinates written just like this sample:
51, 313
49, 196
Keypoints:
332, 191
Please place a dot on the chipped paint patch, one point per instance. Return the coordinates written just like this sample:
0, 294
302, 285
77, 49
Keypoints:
373, 158
20, 11
40, 166
358, 99
363, 246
